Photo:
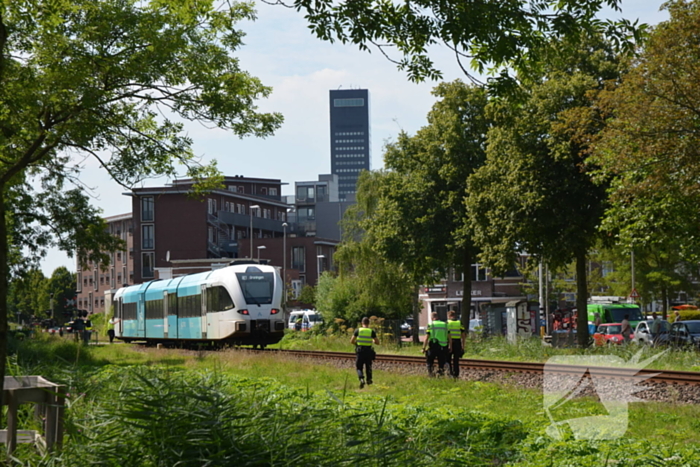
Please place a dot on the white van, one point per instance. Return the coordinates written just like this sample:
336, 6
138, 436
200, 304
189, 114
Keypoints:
309, 319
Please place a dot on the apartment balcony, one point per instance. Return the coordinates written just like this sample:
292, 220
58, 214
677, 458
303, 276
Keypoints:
243, 220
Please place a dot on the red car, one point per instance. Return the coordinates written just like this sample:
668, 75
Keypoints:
609, 333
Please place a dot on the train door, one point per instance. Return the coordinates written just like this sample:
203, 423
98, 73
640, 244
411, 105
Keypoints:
204, 311
141, 315
165, 314
173, 315
119, 315
212, 312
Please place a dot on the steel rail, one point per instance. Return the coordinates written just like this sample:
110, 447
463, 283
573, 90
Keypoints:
653, 376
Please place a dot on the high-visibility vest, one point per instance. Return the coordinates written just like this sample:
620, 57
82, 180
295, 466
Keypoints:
438, 332
454, 328
364, 337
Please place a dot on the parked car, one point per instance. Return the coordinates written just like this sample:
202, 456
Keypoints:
609, 333
642, 333
309, 319
685, 333
407, 327
54, 330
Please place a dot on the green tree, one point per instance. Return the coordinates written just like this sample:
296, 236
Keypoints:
308, 295
111, 80
439, 159
489, 33
28, 296
535, 192
651, 144
370, 282
62, 286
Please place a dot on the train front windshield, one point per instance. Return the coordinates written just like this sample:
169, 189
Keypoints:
257, 287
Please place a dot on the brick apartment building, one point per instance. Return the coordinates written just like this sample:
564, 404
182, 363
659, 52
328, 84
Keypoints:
171, 233
93, 281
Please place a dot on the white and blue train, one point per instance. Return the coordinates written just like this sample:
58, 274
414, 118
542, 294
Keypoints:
240, 304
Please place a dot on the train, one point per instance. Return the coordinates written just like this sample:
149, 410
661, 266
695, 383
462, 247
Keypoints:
240, 304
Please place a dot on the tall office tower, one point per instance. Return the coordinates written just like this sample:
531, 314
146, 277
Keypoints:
350, 138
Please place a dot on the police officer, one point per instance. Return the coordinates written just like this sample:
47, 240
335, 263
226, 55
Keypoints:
457, 335
110, 329
436, 341
364, 353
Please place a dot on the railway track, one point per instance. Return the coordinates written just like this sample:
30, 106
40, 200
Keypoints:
651, 376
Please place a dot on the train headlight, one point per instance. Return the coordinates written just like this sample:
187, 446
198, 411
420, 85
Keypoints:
243, 312
274, 311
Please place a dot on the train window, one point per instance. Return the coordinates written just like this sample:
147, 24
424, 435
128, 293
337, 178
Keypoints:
218, 299
257, 287
154, 309
172, 304
189, 306
129, 311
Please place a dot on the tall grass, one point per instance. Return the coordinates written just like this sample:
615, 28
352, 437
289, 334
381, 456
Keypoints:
157, 408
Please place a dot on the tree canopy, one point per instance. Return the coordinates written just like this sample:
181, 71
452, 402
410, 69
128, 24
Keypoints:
438, 161
651, 145
489, 35
110, 80
535, 193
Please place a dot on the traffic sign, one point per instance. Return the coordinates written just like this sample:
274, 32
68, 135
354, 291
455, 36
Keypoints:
634, 295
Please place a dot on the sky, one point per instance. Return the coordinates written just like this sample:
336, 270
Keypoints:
281, 51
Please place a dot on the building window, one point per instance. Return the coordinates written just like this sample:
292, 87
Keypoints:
241, 189
478, 273
147, 237
305, 193
306, 214
79, 282
299, 258
273, 191
211, 206
147, 265
263, 191
95, 280
147, 214
355, 102
227, 206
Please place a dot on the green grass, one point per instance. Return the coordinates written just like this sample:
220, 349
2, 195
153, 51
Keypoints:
278, 411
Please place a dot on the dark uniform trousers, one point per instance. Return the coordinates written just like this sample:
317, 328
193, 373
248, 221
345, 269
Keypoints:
364, 355
436, 351
454, 357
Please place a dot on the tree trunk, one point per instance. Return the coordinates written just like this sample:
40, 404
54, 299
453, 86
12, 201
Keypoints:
466, 288
664, 301
416, 315
581, 299
3, 290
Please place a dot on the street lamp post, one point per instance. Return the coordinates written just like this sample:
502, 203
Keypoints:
261, 247
255, 206
284, 263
